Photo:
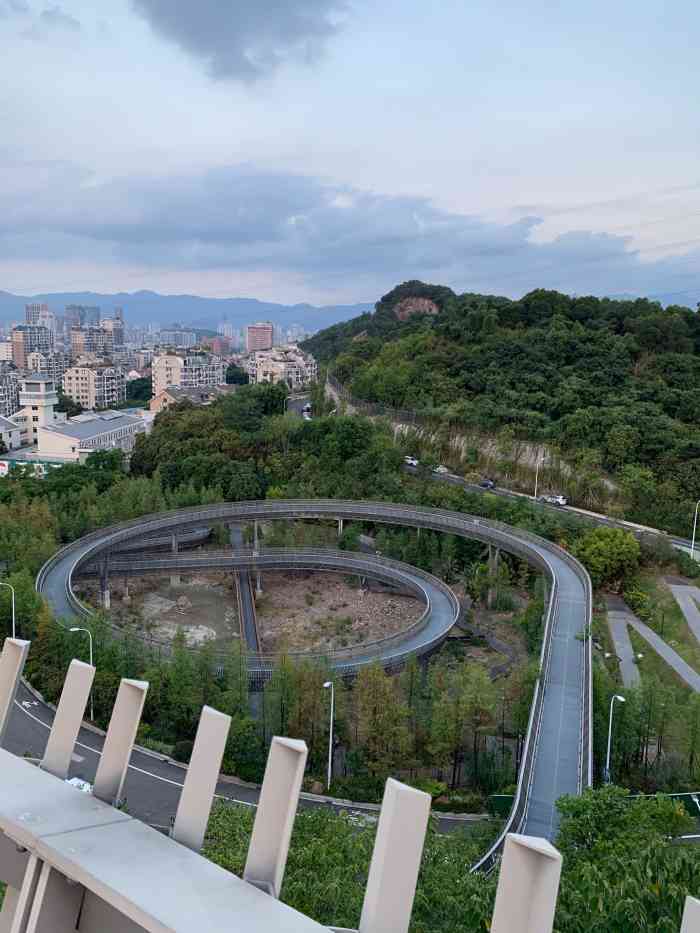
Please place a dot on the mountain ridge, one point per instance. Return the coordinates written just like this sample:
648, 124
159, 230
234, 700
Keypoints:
146, 306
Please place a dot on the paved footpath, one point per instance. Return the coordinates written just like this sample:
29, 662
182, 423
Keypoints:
672, 658
688, 598
619, 618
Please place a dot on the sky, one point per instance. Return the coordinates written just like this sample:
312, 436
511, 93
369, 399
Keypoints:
325, 150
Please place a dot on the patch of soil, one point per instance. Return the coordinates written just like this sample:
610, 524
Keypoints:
323, 611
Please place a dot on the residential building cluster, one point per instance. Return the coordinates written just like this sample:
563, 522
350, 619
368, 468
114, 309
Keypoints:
90, 358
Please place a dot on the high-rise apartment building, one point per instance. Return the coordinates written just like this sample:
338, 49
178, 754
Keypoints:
95, 386
259, 336
38, 315
187, 370
172, 337
49, 364
27, 338
9, 392
114, 326
82, 315
5, 351
91, 339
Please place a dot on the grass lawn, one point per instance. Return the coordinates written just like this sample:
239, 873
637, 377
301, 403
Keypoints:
668, 621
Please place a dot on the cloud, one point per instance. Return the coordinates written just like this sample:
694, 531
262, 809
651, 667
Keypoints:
248, 39
50, 20
335, 237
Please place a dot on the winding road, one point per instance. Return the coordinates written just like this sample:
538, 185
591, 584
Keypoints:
557, 752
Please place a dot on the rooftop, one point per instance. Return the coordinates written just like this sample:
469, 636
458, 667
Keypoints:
91, 424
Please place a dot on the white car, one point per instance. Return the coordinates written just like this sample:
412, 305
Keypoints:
441, 470
410, 461
555, 500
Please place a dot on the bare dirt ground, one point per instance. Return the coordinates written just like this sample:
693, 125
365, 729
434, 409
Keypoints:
204, 606
322, 611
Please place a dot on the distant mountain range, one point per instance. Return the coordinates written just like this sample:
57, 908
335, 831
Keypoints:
144, 307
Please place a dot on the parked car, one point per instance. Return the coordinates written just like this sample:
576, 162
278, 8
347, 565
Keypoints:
410, 461
441, 469
487, 484
555, 499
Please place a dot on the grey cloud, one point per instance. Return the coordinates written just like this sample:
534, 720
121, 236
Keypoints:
248, 39
243, 219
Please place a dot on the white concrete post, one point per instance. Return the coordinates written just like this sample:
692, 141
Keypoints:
277, 806
340, 527
198, 792
123, 725
17, 904
68, 719
528, 885
14, 654
258, 584
56, 905
393, 871
691, 916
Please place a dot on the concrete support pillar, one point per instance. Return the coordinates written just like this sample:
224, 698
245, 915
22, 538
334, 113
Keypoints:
200, 783
255, 536
68, 718
419, 532
494, 557
393, 871
691, 916
340, 527
104, 584
127, 597
274, 820
174, 577
17, 905
528, 885
121, 734
258, 584
14, 654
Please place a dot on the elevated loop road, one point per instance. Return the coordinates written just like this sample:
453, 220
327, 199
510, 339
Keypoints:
557, 757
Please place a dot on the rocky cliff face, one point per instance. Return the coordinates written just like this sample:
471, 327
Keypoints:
409, 306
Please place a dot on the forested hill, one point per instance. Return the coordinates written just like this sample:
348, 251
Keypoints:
617, 382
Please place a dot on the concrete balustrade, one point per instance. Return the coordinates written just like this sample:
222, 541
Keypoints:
72, 862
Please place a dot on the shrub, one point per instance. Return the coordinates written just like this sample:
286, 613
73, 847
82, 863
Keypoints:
182, 750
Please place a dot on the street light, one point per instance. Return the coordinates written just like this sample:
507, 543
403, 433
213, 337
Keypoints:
695, 525
329, 684
89, 635
539, 463
616, 696
12, 590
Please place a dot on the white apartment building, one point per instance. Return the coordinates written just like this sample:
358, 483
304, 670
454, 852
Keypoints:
283, 364
95, 386
186, 370
5, 351
9, 393
49, 364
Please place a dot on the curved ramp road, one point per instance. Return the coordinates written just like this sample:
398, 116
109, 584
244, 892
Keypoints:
557, 753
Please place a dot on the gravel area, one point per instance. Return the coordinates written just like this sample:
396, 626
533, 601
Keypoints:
319, 611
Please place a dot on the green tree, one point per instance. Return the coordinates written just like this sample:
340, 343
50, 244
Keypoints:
609, 554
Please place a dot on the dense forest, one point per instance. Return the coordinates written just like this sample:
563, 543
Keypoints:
613, 386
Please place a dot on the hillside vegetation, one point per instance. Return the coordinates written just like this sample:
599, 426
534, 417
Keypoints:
612, 385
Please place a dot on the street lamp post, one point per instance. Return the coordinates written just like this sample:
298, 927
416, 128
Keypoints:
89, 635
616, 696
695, 525
329, 684
12, 590
540, 461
